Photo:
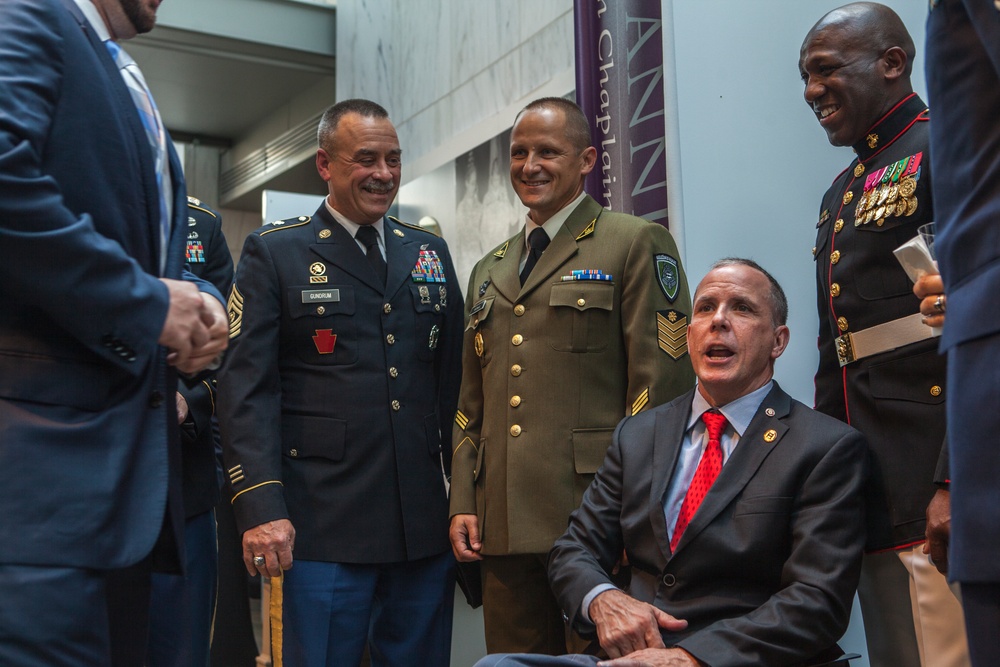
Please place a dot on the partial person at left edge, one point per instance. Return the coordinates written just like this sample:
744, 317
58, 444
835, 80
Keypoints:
97, 317
183, 605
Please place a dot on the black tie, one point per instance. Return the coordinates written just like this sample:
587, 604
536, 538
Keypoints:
539, 241
369, 238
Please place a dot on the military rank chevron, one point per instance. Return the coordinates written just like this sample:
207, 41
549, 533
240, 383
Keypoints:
671, 332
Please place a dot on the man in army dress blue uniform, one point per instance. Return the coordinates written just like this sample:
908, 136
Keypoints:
342, 383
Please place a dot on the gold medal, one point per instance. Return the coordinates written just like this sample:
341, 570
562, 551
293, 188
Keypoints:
883, 194
900, 208
880, 213
911, 206
893, 194
907, 187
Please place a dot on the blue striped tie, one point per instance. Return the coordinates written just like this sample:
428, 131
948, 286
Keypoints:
153, 124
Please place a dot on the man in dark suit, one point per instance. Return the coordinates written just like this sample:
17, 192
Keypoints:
182, 606
574, 323
879, 370
95, 320
963, 79
335, 400
755, 567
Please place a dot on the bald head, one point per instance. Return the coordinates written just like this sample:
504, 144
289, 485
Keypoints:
876, 25
855, 64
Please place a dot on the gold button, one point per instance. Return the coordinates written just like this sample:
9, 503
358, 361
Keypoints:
842, 323
390, 339
835, 290
393, 371
581, 302
936, 390
848, 196
515, 370
395, 406
860, 169
515, 430
387, 308
475, 321
814, 251
437, 307
837, 226
293, 452
834, 256
517, 339
515, 401
519, 310
320, 310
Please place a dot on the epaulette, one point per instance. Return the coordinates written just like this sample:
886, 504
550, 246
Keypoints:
406, 224
196, 204
194, 200
287, 223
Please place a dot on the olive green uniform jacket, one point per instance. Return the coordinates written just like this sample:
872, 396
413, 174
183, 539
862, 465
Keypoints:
550, 368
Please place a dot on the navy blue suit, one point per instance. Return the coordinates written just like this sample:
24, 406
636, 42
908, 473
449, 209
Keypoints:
88, 453
963, 78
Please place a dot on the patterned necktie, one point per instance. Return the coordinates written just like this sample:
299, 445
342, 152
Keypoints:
368, 236
708, 469
539, 241
153, 125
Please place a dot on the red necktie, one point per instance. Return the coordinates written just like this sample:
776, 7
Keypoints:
708, 469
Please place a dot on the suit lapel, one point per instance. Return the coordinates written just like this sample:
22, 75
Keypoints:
341, 250
504, 271
751, 451
401, 254
668, 435
129, 116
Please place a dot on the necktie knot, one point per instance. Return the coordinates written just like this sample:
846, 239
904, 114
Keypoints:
538, 241
368, 236
715, 424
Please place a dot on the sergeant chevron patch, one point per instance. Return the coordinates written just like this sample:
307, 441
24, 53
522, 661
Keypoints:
235, 308
671, 332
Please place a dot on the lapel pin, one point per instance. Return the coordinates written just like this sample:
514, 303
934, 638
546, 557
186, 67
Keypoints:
771, 435
769, 412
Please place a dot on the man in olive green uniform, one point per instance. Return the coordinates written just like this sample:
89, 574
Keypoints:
574, 323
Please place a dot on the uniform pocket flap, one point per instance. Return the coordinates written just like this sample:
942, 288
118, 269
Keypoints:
310, 300
583, 295
312, 437
479, 312
910, 378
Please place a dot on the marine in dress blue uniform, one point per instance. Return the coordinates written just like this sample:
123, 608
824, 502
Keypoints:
335, 402
879, 370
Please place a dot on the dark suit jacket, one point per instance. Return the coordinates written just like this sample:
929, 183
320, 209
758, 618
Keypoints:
963, 66
87, 416
338, 393
766, 571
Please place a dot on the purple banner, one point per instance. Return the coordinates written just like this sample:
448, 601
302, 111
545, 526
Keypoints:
619, 86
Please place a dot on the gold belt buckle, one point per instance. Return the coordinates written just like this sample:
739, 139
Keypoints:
845, 349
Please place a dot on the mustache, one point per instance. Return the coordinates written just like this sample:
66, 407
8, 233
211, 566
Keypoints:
379, 187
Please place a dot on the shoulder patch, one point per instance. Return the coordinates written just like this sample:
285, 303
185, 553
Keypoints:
411, 226
288, 223
668, 275
235, 308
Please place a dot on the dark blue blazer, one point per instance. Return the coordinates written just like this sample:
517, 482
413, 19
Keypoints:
87, 419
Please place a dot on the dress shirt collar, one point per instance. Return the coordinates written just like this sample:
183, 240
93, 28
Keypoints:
553, 224
95, 19
738, 413
353, 227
